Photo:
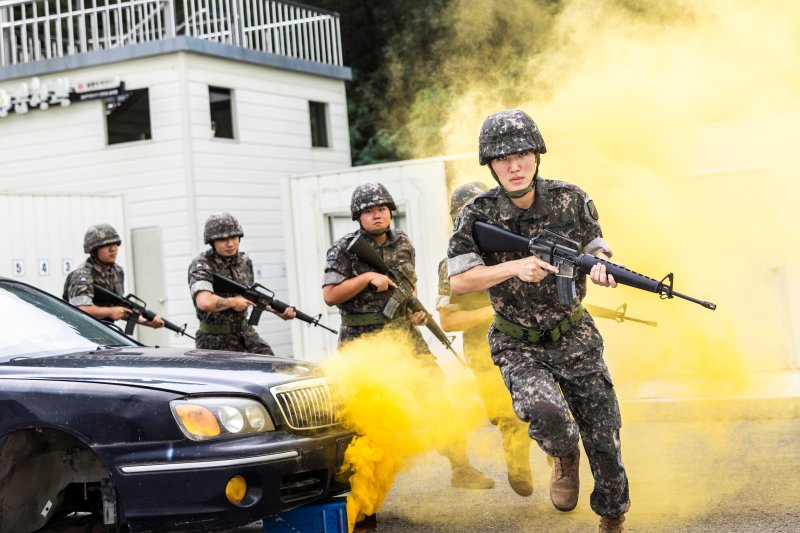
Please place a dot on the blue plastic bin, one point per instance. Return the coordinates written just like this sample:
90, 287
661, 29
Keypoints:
329, 517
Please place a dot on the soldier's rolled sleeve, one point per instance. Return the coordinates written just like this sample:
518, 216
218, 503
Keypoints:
331, 277
443, 302
81, 292
461, 263
598, 244
201, 278
337, 264
201, 285
79, 301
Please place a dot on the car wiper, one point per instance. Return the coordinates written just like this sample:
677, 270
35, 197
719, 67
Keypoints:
102, 347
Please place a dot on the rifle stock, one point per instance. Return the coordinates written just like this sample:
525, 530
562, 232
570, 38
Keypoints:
367, 253
262, 297
138, 308
570, 262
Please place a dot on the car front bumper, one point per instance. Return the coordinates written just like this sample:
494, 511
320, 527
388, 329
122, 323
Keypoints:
181, 486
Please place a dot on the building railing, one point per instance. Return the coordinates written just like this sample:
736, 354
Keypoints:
36, 30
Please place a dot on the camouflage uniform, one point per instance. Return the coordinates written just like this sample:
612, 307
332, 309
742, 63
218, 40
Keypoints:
551, 379
79, 288
398, 253
241, 337
79, 285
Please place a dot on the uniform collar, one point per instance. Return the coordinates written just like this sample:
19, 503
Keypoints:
540, 207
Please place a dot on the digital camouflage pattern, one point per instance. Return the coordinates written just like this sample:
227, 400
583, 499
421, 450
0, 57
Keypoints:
99, 235
79, 285
508, 132
551, 380
463, 194
201, 278
221, 226
369, 195
398, 253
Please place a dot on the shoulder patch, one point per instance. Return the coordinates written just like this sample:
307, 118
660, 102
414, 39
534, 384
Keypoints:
592, 210
333, 253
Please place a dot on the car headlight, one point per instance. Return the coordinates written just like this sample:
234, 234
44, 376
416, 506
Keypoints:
208, 418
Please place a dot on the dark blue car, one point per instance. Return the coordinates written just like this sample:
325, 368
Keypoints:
92, 423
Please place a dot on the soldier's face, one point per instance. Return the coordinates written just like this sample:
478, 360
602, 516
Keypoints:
227, 247
515, 171
107, 254
377, 217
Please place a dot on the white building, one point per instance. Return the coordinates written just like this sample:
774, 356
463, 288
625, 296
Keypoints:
176, 111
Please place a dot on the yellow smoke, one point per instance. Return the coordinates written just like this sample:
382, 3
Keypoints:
399, 408
681, 120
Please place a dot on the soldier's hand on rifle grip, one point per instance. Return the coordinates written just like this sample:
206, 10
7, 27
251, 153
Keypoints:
420, 318
533, 269
239, 303
381, 282
118, 313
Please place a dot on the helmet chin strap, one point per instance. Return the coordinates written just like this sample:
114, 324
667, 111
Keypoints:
379, 231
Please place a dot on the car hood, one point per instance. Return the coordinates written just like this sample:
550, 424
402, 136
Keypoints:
170, 369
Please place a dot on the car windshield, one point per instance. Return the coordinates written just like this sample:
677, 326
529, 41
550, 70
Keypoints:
34, 323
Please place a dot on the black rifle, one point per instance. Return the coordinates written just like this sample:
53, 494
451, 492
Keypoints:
138, 308
262, 297
403, 294
618, 314
570, 262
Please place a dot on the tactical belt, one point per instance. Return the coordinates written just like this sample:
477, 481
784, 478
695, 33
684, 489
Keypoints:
364, 319
223, 329
535, 335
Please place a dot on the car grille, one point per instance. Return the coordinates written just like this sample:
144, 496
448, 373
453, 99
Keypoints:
309, 404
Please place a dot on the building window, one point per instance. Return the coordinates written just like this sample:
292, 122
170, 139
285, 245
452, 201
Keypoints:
319, 124
221, 109
129, 120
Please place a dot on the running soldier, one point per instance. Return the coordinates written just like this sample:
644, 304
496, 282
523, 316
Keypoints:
223, 317
361, 294
550, 354
472, 314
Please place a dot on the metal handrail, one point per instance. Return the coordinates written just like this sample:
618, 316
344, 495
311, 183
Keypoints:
35, 30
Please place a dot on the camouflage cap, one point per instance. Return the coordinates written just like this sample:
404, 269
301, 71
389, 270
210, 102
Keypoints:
508, 132
99, 235
369, 195
221, 226
463, 194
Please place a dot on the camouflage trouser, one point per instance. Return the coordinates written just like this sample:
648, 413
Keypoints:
246, 341
546, 386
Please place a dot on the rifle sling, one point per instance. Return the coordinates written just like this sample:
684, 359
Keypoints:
223, 329
364, 319
535, 335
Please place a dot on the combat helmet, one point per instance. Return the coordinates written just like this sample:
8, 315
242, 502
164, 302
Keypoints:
221, 226
463, 194
369, 195
99, 235
508, 132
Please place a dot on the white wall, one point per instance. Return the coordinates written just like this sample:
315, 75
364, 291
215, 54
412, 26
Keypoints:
418, 188
180, 176
45, 235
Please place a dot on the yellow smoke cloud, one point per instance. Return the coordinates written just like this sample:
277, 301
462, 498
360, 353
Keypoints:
681, 120
399, 408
